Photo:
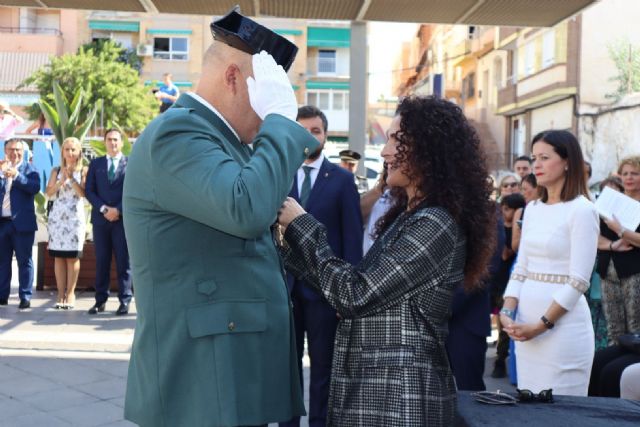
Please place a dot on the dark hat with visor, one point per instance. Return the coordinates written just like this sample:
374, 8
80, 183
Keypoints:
246, 35
349, 156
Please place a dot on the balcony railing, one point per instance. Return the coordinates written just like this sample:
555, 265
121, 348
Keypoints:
507, 95
23, 30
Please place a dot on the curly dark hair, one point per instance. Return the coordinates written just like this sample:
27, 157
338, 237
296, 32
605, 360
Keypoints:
443, 152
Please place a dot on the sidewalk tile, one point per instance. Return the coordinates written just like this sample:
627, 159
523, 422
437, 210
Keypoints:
93, 414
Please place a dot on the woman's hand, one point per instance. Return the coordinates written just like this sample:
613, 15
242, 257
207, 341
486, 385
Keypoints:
524, 331
621, 245
289, 211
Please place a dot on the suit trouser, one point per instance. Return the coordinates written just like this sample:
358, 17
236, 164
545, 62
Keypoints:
318, 319
109, 239
20, 242
467, 353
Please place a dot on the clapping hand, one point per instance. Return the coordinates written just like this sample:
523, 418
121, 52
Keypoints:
289, 211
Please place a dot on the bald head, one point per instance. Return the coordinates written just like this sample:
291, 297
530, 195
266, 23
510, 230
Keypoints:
224, 85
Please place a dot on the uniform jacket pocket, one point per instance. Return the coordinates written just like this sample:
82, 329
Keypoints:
227, 317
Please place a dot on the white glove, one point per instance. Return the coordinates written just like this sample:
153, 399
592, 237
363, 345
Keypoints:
270, 90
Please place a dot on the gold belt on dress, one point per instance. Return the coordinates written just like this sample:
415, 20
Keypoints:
548, 278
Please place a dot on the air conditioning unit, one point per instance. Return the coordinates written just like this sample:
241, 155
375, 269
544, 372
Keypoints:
145, 49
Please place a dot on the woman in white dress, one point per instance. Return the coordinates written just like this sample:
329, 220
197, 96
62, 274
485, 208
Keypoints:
67, 221
553, 331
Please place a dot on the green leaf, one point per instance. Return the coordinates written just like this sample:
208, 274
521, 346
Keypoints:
61, 108
98, 147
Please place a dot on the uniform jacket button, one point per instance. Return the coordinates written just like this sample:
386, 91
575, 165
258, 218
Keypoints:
231, 326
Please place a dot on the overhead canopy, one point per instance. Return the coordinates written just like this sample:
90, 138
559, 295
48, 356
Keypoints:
530, 13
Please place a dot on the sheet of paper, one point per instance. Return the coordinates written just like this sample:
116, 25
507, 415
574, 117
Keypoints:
626, 210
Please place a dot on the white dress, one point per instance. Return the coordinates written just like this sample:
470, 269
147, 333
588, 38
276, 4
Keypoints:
67, 224
555, 261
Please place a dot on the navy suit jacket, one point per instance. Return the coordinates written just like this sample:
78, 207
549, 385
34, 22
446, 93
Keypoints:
99, 191
334, 201
23, 190
471, 311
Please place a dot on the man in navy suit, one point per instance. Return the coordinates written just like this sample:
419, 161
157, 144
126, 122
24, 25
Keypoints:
19, 183
104, 191
328, 192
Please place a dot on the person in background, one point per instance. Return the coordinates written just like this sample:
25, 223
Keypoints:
104, 187
329, 194
609, 364
168, 92
41, 126
509, 184
529, 190
19, 183
522, 166
349, 160
619, 262
613, 182
66, 222
374, 204
390, 362
509, 204
552, 331
470, 324
9, 121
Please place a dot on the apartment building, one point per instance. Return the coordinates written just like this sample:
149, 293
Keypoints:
29, 38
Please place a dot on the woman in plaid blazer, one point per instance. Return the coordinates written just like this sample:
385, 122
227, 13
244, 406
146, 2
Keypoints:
390, 366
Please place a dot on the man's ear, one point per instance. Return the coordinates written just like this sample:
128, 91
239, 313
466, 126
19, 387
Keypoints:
232, 77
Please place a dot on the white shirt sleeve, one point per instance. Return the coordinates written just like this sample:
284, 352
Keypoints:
585, 228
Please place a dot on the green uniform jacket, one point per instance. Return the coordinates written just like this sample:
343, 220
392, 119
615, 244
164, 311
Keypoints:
214, 341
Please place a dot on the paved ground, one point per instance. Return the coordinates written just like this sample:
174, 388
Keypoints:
61, 368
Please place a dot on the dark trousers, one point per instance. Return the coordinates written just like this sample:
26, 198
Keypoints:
21, 243
608, 365
467, 353
502, 348
110, 239
319, 321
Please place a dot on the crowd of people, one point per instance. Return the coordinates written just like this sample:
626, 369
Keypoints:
245, 241
68, 187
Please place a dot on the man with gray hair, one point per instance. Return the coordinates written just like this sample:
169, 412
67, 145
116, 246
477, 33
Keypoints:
214, 343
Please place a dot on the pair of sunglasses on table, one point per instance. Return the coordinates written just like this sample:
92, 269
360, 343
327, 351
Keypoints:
522, 396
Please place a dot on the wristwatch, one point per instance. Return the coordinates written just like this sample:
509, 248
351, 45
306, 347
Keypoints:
547, 323
103, 209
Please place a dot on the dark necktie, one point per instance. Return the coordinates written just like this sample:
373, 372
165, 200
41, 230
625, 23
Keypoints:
306, 186
112, 170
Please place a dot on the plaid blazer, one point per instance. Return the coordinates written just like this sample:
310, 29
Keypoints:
390, 366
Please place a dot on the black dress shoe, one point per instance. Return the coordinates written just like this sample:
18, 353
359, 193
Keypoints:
96, 308
24, 304
123, 309
4, 301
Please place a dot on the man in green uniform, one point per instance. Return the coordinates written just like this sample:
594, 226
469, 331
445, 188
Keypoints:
214, 343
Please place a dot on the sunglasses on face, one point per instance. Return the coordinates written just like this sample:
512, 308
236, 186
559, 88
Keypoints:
510, 184
525, 396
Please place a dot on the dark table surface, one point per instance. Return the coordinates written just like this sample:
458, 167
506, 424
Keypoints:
565, 411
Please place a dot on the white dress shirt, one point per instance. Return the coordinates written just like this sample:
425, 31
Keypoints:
202, 101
